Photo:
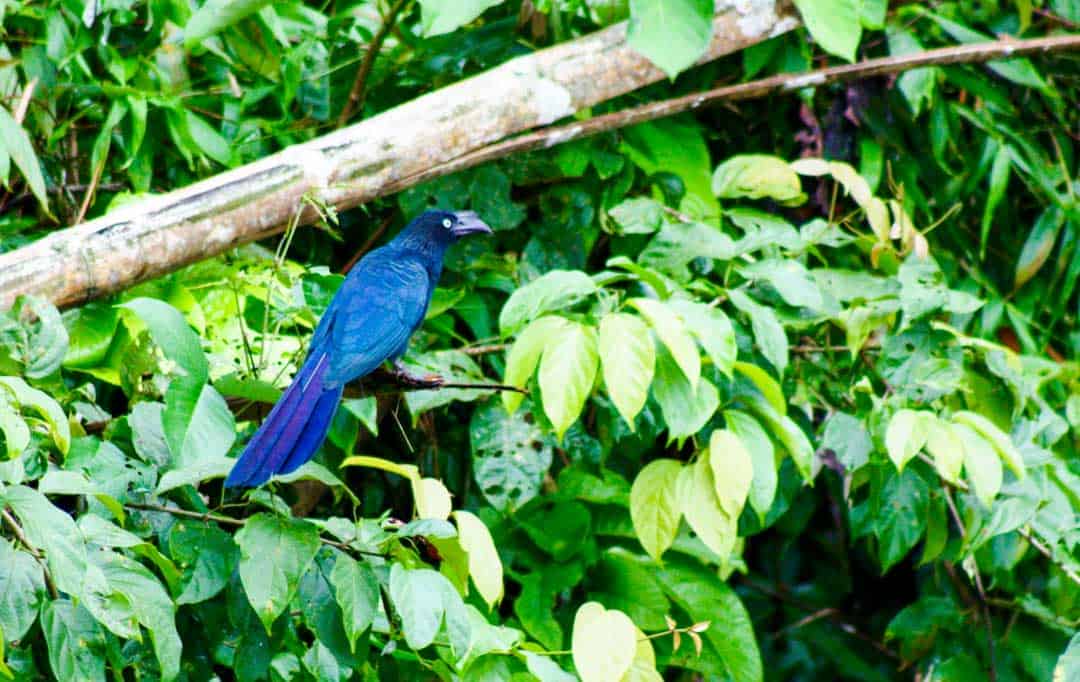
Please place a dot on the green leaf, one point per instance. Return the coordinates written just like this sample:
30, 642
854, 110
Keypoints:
51, 530
356, 589
628, 358
790, 279
762, 457
696, 489
174, 337
712, 329
785, 430
758, 176
901, 518
981, 463
544, 668
485, 567
1038, 245
206, 556
425, 600
639, 215
1068, 665
654, 505
42, 339
732, 469
555, 290
678, 146
567, 372
20, 149
768, 332
13, 426
603, 643
996, 437
75, 641
48, 409
507, 477
217, 15
768, 387
834, 25
274, 553
525, 355
945, 446
152, 608
209, 140
672, 331
22, 590
198, 425
905, 436
999, 182
685, 409
90, 329
673, 34
444, 16
731, 645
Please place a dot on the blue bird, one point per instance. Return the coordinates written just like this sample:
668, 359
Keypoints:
380, 304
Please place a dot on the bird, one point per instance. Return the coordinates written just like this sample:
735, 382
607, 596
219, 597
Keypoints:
369, 321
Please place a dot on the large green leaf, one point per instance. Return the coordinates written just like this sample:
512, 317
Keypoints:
673, 34
671, 330
757, 176
22, 590
525, 355
510, 455
17, 146
357, 591
274, 552
834, 24
217, 15
567, 372
628, 358
426, 601
696, 489
443, 16
712, 329
207, 555
75, 641
197, 422
762, 456
555, 290
654, 505
685, 409
50, 529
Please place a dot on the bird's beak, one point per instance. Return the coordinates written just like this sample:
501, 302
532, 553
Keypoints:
469, 223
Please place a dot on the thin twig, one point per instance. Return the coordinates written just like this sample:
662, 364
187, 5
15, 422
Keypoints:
359, 86
230, 521
484, 350
17, 531
1045, 551
551, 136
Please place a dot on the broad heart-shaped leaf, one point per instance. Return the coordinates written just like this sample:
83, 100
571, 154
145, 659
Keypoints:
713, 330
732, 469
75, 641
216, 16
654, 505
731, 648
901, 518
905, 436
673, 34
485, 567
996, 437
946, 447
685, 410
171, 333
22, 589
274, 552
567, 372
757, 176
510, 454
673, 333
207, 556
525, 355
628, 358
834, 25
790, 279
643, 667
356, 589
555, 290
763, 458
50, 529
981, 463
425, 599
604, 643
696, 489
444, 16
197, 422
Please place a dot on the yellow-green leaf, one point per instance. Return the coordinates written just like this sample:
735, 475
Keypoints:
654, 505
945, 446
643, 667
697, 498
409, 471
432, 499
628, 358
732, 470
981, 463
567, 371
905, 436
1000, 440
604, 643
525, 354
485, 567
768, 386
673, 333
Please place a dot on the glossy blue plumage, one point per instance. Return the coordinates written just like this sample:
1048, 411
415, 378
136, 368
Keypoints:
369, 321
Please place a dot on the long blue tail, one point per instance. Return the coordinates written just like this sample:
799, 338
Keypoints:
293, 431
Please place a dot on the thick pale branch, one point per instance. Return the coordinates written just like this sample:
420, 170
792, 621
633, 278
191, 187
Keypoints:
353, 165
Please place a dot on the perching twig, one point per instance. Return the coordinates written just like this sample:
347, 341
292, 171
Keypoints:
17, 531
786, 82
230, 521
358, 90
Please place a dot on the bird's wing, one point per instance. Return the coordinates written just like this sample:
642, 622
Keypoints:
374, 313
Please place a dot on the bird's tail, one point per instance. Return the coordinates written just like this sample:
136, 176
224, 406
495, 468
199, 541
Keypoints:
293, 431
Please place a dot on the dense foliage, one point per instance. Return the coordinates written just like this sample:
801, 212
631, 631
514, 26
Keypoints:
803, 393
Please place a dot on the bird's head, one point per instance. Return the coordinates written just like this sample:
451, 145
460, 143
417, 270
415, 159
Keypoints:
440, 229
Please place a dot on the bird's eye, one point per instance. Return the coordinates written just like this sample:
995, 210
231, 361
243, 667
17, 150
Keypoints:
447, 223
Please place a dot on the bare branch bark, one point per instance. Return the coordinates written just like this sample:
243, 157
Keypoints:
353, 165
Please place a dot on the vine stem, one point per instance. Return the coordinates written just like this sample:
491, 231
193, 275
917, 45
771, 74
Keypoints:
17, 531
359, 87
230, 521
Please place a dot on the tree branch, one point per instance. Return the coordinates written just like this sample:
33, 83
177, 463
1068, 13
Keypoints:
358, 90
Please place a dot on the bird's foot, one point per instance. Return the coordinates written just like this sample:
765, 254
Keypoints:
405, 378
